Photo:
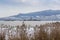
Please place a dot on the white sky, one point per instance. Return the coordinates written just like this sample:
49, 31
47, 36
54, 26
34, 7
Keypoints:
14, 7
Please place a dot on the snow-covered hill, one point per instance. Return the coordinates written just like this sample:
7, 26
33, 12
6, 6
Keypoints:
46, 15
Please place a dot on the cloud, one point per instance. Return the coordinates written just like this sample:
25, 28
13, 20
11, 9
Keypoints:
57, 1
12, 7
32, 2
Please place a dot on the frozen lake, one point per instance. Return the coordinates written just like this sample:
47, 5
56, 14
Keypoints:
32, 23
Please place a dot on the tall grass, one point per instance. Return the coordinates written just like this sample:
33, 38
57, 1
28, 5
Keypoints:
49, 31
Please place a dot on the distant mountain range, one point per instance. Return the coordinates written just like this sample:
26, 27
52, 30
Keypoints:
46, 15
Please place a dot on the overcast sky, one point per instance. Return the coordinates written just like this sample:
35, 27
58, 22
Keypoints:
13, 7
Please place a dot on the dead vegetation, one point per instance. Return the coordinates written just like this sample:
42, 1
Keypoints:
49, 31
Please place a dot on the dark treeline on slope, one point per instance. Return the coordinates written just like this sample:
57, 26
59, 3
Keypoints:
48, 31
